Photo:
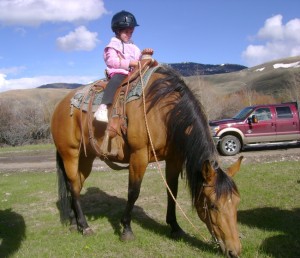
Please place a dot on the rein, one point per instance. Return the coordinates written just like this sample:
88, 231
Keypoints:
156, 159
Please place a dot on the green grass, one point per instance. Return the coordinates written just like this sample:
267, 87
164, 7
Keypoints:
33, 147
269, 216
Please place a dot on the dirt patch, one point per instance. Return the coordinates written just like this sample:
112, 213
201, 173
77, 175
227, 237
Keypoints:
267, 154
44, 160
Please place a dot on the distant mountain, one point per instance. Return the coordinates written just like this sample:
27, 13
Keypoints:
60, 86
185, 69
190, 69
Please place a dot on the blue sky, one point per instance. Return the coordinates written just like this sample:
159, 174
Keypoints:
47, 41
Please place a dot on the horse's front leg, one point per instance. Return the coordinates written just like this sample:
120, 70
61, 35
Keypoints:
172, 173
137, 168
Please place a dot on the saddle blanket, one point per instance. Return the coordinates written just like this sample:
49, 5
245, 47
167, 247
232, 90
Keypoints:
82, 96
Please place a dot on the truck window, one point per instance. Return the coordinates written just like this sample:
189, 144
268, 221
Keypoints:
284, 112
243, 113
263, 114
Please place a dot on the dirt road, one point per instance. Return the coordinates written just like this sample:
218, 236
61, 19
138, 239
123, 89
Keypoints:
44, 160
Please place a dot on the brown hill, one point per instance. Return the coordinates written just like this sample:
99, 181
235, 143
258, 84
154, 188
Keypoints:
36, 95
270, 78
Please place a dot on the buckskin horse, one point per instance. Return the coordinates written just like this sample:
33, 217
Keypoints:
168, 123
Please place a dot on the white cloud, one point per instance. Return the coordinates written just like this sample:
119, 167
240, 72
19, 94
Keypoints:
33, 82
2, 81
272, 29
80, 40
35, 12
279, 40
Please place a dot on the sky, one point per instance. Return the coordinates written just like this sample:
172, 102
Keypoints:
51, 41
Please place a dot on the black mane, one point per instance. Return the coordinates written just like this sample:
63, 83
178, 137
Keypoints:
188, 130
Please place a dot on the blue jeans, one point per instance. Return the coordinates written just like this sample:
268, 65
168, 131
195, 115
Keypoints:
111, 88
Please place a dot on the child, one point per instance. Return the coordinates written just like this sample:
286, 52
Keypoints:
120, 56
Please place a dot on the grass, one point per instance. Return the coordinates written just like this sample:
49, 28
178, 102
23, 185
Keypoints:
269, 216
33, 147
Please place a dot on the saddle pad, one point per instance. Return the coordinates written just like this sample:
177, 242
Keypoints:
82, 96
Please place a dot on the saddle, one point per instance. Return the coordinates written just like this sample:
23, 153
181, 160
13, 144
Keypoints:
146, 63
117, 122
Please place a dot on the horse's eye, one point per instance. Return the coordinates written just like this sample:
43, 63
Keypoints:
212, 206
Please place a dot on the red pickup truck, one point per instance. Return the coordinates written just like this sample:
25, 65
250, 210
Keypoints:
257, 125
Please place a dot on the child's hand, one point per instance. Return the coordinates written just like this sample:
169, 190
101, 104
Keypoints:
148, 51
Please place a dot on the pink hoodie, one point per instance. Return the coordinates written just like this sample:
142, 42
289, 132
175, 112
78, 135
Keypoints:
118, 54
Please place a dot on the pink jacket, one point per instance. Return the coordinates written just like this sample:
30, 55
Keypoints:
118, 54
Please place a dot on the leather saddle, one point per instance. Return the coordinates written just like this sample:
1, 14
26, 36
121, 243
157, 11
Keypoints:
117, 122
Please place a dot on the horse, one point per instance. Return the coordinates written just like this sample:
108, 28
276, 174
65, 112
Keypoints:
167, 124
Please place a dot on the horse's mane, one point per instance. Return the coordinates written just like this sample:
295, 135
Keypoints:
188, 130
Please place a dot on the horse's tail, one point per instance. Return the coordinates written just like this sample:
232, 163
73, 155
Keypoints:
64, 194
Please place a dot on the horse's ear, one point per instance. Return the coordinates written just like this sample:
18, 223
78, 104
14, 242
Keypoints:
208, 172
231, 171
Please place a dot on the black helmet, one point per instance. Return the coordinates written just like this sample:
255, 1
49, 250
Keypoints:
122, 20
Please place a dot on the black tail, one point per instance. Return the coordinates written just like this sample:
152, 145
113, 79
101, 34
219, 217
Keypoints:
64, 194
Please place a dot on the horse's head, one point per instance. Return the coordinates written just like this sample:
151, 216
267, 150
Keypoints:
216, 206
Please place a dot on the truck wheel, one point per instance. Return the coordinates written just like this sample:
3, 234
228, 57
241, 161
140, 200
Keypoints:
229, 145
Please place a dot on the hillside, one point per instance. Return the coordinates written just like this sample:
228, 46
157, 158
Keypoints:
269, 78
45, 96
42, 100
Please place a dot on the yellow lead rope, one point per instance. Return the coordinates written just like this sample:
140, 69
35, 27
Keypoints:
156, 160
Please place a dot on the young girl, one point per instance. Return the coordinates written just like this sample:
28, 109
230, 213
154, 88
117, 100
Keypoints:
120, 56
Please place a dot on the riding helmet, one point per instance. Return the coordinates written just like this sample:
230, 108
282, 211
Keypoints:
122, 20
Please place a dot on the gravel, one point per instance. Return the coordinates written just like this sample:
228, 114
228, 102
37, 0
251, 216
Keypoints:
21, 161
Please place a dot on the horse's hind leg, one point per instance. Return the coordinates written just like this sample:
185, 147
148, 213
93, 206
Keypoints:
173, 169
77, 172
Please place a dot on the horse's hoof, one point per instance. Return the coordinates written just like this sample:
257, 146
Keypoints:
87, 232
127, 236
178, 234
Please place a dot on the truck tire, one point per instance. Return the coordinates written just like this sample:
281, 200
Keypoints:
229, 145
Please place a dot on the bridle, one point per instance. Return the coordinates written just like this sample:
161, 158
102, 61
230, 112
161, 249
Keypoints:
215, 240
217, 243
